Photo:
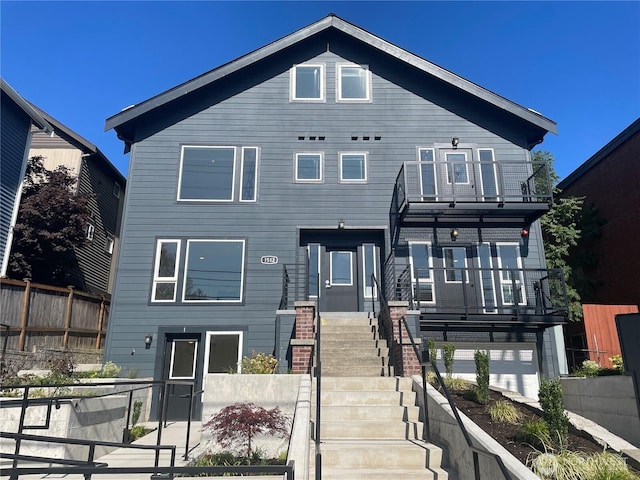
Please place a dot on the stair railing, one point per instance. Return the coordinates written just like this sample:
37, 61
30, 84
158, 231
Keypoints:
318, 372
381, 331
475, 450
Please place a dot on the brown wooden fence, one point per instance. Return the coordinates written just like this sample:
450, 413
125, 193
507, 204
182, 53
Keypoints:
36, 316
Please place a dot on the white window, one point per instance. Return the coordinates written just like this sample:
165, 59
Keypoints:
91, 230
108, 245
307, 82
428, 185
207, 173
340, 269
223, 352
354, 83
455, 264
457, 168
511, 274
214, 271
183, 359
313, 251
369, 268
488, 175
116, 189
353, 167
309, 167
165, 277
421, 261
249, 174
486, 278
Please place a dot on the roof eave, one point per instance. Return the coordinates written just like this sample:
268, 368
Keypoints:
36, 118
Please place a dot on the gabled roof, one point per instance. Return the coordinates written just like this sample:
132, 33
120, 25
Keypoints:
82, 143
26, 107
601, 154
330, 22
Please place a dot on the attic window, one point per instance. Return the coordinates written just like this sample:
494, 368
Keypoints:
307, 82
354, 83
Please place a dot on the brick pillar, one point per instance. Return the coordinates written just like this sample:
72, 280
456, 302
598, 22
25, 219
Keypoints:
409, 362
304, 341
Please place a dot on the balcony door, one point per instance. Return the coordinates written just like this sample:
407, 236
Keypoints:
456, 174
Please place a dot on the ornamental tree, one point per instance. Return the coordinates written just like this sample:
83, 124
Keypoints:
236, 425
52, 221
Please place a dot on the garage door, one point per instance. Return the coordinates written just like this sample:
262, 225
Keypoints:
512, 366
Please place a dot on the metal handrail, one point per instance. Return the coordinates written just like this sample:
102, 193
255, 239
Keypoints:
318, 371
473, 448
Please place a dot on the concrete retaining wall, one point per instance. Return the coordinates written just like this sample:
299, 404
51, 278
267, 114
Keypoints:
608, 401
457, 455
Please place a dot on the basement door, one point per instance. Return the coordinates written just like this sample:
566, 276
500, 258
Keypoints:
180, 361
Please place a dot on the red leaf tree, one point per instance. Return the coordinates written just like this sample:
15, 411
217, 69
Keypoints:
238, 424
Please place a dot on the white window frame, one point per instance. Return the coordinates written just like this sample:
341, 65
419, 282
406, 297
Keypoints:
365, 156
255, 179
207, 351
91, 230
431, 165
339, 98
109, 243
451, 173
508, 283
495, 173
233, 176
494, 309
195, 358
423, 280
293, 80
240, 299
308, 180
464, 273
350, 284
156, 267
371, 291
318, 249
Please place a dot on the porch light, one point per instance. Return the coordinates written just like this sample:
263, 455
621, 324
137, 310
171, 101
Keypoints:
454, 234
524, 232
147, 341
341, 224
454, 142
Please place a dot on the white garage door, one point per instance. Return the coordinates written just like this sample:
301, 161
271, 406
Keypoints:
512, 366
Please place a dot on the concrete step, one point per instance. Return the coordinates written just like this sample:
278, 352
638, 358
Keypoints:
333, 350
360, 357
359, 398
367, 383
371, 430
350, 370
381, 474
347, 336
380, 413
359, 329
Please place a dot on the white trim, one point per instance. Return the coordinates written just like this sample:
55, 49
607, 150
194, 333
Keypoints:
339, 98
318, 248
464, 272
156, 266
308, 180
242, 271
233, 176
508, 283
495, 173
207, 350
493, 282
292, 83
367, 275
433, 166
430, 280
255, 179
365, 165
109, 244
195, 358
91, 230
451, 172
350, 268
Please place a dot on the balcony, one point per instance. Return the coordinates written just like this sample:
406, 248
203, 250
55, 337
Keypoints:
520, 192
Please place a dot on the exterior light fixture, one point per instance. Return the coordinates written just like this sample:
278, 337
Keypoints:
454, 142
147, 341
524, 232
454, 234
341, 224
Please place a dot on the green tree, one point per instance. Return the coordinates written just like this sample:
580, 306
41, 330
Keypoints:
561, 231
52, 221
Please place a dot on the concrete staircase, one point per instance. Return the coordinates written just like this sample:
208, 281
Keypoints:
370, 426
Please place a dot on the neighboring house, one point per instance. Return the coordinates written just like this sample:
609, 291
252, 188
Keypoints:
309, 165
18, 119
97, 176
603, 259
609, 182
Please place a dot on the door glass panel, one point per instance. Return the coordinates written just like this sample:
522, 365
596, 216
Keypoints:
183, 359
341, 273
369, 268
427, 174
457, 168
511, 275
224, 353
455, 262
486, 278
421, 274
314, 269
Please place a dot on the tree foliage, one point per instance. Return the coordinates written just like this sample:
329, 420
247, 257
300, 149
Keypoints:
236, 425
561, 231
52, 221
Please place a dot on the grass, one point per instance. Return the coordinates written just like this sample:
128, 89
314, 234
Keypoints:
504, 411
567, 465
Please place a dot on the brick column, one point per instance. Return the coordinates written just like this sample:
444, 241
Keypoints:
409, 362
304, 341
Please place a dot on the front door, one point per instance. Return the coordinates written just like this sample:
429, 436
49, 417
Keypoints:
180, 361
459, 280
456, 171
339, 279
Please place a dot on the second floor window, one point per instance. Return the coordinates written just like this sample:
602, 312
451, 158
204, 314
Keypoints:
353, 167
207, 173
307, 82
354, 83
308, 167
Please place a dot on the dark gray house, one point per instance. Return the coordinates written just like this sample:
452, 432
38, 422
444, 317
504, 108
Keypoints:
310, 164
18, 119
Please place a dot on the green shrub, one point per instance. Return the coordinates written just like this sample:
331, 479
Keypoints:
137, 409
448, 350
482, 375
550, 395
617, 363
433, 351
504, 411
456, 384
109, 370
535, 433
608, 466
568, 465
136, 432
260, 363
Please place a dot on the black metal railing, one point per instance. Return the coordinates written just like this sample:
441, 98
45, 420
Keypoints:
295, 284
318, 375
473, 182
474, 449
384, 330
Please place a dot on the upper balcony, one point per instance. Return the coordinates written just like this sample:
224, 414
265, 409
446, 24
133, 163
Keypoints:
520, 192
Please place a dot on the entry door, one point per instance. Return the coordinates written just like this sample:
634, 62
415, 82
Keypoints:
340, 279
456, 173
459, 280
180, 362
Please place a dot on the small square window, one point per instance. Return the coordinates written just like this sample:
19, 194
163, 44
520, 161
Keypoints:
307, 82
308, 167
91, 229
354, 83
108, 245
116, 189
353, 167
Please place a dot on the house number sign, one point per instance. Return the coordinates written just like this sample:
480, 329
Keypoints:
269, 260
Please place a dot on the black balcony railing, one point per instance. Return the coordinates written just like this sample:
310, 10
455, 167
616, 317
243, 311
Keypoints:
295, 284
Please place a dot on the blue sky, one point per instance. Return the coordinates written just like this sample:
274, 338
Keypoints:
577, 63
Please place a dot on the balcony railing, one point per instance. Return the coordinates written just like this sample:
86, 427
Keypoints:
524, 185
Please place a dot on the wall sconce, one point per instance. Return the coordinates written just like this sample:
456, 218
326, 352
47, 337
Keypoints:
147, 341
454, 142
454, 234
341, 224
524, 232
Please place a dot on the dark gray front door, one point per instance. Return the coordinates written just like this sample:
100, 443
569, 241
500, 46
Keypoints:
458, 280
180, 361
339, 280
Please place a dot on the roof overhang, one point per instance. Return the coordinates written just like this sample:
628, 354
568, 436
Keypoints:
37, 119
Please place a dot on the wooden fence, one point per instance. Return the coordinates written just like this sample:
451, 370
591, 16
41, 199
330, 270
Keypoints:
35, 316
